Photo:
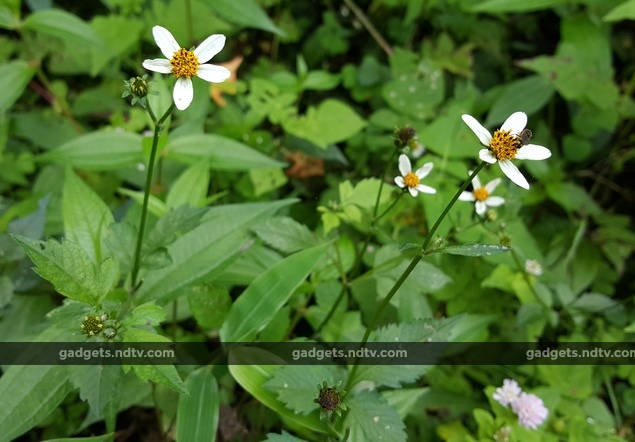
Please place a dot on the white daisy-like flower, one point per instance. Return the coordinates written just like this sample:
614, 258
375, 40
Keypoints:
412, 180
508, 393
530, 409
533, 267
481, 195
417, 149
185, 63
508, 143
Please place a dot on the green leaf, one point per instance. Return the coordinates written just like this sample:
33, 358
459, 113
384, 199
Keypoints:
62, 24
253, 377
253, 310
197, 414
331, 122
204, 249
98, 385
86, 217
284, 234
245, 12
283, 437
209, 305
623, 11
70, 270
298, 386
529, 94
155, 205
190, 188
475, 249
501, 6
220, 152
14, 77
103, 438
7, 19
102, 150
371, 418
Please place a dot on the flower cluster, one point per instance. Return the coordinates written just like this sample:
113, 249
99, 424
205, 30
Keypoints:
530, 409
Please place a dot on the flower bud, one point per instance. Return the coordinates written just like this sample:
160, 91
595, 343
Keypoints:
92, 325
139, 86
404, 136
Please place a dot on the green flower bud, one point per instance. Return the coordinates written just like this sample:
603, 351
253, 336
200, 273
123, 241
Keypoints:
92, 325
139, 86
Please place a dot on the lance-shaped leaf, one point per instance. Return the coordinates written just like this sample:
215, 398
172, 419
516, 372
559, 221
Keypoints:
197, 415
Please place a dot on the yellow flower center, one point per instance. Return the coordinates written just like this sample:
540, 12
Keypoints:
411, 180
184, 63
504, 145
481, 194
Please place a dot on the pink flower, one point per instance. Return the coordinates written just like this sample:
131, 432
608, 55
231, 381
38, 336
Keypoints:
530, 409
508, 393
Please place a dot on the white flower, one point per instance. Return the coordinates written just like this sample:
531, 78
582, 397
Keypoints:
184, 63
481, 195
508, 393
533, 267
417, 149
412, 180
530, 409
508, 143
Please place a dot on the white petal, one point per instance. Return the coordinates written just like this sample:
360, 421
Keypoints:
165, 41
424, 170
480, 207
466, 196
413, 191
400, 182
487, 156
513, 173
213, 73
183, 93
492, 185
515, 123
476, 183
211, 46
494, 201
483, 134
160, 65
404, 165
533, 152
425, 189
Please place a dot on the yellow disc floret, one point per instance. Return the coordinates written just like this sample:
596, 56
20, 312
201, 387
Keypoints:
411, 180
184, 63
504, 145
481, 194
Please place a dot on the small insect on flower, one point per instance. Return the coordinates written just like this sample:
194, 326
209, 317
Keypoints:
412, 180
185, 63
481, 195
508, 143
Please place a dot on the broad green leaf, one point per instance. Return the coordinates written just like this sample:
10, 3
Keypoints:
209, 305
98, 385
475, 249
62, 24
102, 150
206, 248
331, 122
103, 438
528, 94
119, 34
371, 418
14, 77
70, 270
253, 310
284, 234
86, 217
190, 188
245, 12
197, 414
623, 11
298, 386
501, 6
7, 19
253, 377
220, 152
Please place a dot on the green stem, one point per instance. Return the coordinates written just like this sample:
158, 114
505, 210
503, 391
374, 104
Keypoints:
410, 268
344, 278
522, 270
146, 196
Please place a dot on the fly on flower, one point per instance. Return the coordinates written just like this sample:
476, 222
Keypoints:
412, 180
508, 143
481, 195
185, 63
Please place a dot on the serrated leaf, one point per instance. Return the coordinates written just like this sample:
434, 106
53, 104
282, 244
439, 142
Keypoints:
284, 234
475, 249
371, 418
197, 413
102, 150
14, 77
253, 309
98, 385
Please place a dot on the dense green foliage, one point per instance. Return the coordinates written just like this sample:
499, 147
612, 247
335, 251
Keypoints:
272, 214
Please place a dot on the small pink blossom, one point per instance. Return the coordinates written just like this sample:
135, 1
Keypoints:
509, 392
530, 409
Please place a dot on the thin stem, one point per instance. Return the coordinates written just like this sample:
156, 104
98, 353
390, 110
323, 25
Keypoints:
344, 278
410, 268
188, 21
363, 19
527, 280
394, 203
614, 402
146, 195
